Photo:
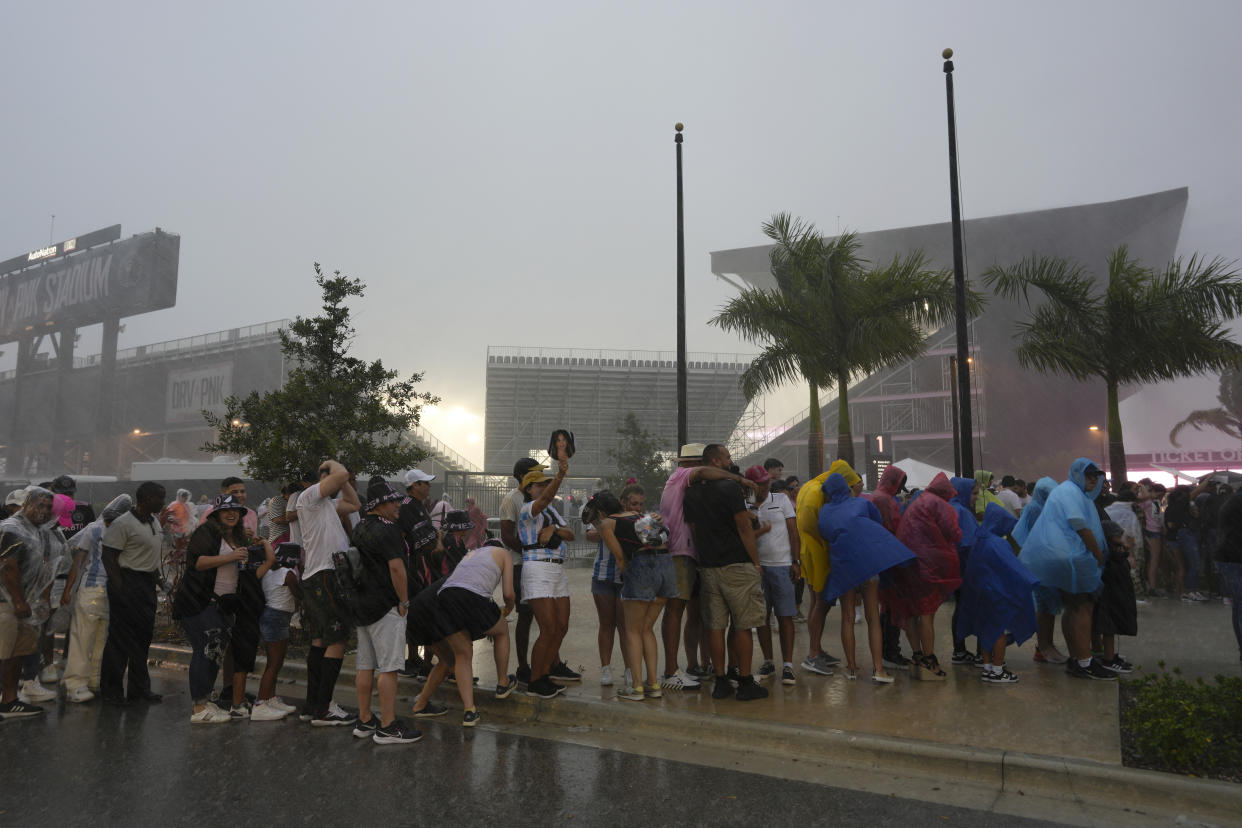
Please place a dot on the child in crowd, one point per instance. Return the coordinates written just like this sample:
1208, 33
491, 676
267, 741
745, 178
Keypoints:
1116, 610
995, 601
281, 589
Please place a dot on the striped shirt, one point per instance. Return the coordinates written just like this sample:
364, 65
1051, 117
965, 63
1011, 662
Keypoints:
605, 568
528, 526
90, 540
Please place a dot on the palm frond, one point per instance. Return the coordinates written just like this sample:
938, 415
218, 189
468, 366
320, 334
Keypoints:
1217, 418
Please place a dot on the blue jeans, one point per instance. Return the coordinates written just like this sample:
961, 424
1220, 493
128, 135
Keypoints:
1231, 580
209, 637
1189, 544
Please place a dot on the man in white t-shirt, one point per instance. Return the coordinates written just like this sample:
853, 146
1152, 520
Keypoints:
780, 567
1008, 496
327, 624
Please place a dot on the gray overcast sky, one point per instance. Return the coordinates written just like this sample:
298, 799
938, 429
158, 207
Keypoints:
502, 173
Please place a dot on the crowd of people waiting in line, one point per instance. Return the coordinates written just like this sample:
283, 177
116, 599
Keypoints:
723, 553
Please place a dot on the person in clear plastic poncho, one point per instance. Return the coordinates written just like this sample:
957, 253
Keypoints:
25, 581
1064, 550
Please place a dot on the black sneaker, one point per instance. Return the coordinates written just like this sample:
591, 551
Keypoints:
1003, 677
832, 660
410, 670
749, 689
965, 658
787, 676
334, 717
430, 711
1099, 672
451, 678
722, 689
306, 715
734, 675
1118, 665
396, 733
766, 670
896, 661
561, 674
503, 691
543, 688
470, 718
522, 675
18, 709
364, 729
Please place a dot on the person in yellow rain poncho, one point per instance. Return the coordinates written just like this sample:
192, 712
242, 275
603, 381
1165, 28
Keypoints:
985, 496
815, 561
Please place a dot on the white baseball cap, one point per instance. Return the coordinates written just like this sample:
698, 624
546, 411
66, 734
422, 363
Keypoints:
417, 476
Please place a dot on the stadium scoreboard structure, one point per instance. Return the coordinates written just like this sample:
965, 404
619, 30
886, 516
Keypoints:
48, 293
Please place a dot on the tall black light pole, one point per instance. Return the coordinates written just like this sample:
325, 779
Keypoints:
959, 285
682, 429
957, 435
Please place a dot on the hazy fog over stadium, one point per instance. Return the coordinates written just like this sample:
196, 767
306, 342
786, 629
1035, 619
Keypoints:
502, 174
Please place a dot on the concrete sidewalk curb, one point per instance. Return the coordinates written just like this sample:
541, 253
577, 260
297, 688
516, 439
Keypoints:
1088, 783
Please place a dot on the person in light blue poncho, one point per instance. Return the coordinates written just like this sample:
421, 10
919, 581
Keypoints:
860, 549
1030, 512
1064, 551
996, 595
1045, 651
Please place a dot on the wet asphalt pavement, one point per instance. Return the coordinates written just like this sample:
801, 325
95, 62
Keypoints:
146, 765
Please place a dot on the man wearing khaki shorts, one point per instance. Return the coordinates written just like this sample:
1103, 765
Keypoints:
24, 581
730, 593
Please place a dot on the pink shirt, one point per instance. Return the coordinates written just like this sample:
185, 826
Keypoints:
679, 540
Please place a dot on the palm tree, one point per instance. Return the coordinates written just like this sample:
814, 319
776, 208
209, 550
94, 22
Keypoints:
1138, 326
831, 317
1227, 418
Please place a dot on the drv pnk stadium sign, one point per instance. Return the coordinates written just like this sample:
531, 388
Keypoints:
110, 281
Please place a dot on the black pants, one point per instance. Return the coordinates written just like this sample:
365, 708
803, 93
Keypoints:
892, 635
131, 625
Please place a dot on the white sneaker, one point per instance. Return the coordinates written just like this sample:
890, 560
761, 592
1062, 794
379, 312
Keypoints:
605, 676
49, 674
264, 711
79, 695
681, 680
279, 703
210, 715
36, 692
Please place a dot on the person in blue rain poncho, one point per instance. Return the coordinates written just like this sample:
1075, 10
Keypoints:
1046, 651
995, 597
1030, 512
860, 549
1065, 552
967, 496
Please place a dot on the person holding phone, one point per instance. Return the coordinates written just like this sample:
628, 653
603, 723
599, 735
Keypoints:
218, 603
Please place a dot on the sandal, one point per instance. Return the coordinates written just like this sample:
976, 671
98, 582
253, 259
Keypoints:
930, 669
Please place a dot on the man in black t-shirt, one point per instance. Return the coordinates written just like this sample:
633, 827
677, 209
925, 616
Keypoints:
381, 606
732, 595
422, 539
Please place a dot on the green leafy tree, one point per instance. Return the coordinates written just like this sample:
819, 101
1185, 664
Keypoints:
1135, 326
638, 456
1227, 418
832, 316
331, 405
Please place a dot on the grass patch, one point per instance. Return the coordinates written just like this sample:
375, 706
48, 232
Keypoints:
1179, 726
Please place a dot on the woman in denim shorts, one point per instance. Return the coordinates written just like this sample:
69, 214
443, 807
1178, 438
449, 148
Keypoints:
639, 543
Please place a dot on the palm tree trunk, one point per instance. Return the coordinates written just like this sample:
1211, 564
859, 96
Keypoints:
815, 437
1116, 446
845, 436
